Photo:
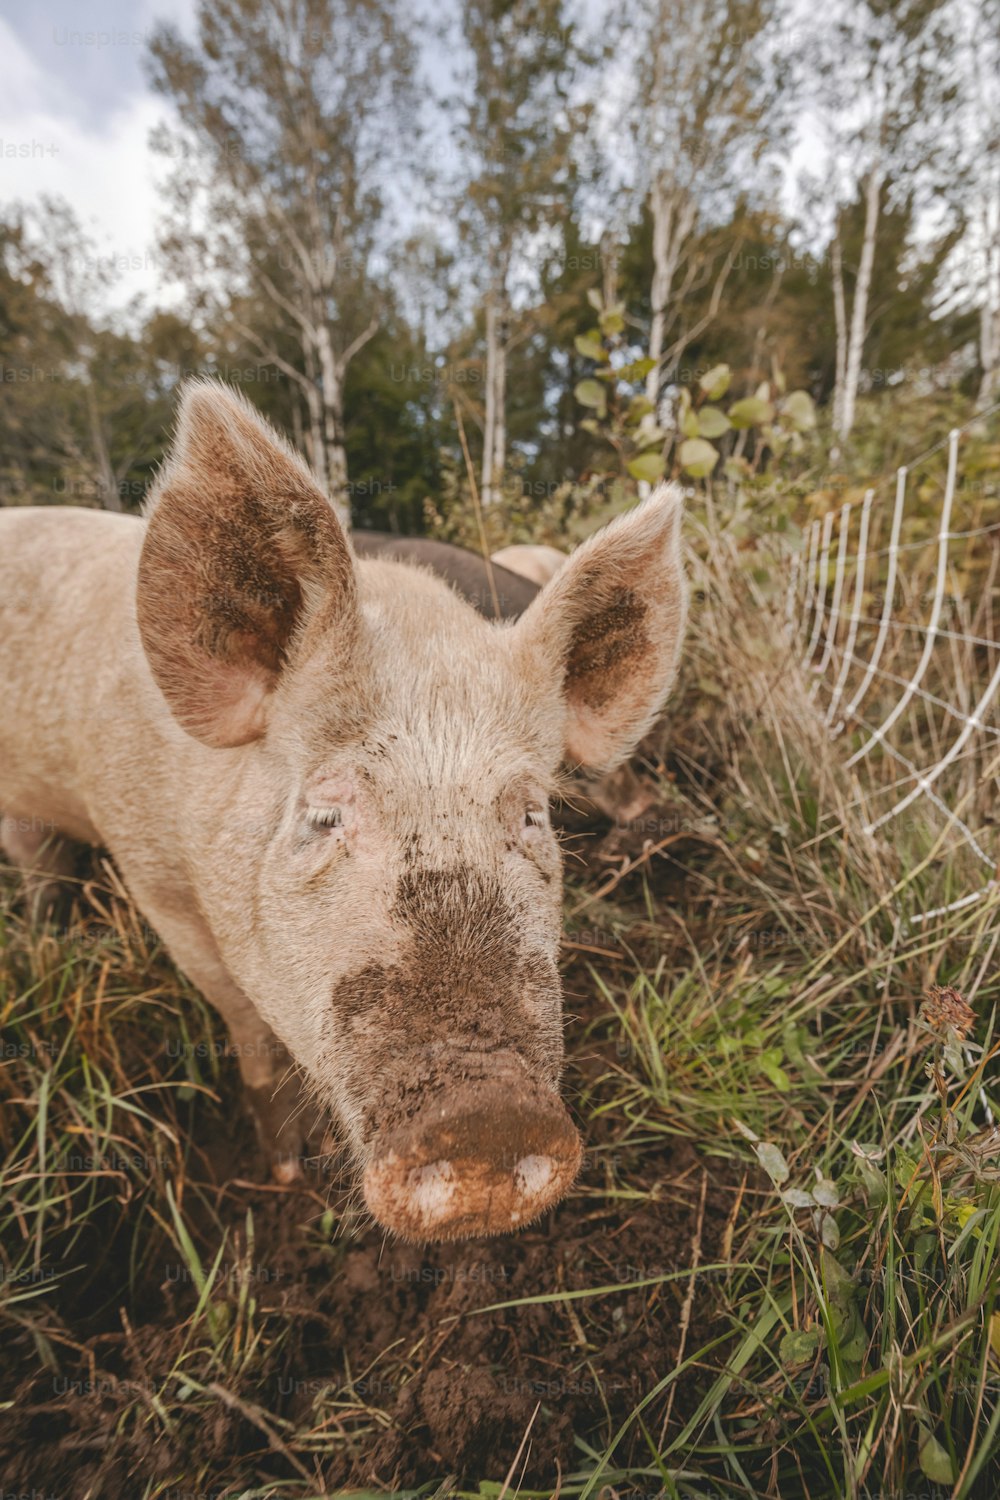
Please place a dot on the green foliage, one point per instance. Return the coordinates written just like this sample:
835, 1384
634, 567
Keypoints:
623, 415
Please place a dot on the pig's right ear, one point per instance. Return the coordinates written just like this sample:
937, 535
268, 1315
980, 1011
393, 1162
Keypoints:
606, 631
243, 566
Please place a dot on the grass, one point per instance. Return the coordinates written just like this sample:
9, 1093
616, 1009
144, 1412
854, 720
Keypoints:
755, 993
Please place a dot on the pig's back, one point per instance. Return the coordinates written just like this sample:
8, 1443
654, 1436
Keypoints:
67, 631
495, 591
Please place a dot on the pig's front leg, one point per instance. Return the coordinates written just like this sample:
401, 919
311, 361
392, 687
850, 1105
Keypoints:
46, 859
280, 1105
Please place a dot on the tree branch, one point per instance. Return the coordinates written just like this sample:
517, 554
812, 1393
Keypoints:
356, 345
271, 357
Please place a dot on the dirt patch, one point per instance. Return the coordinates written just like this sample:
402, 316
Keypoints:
337, 1357
394, 1341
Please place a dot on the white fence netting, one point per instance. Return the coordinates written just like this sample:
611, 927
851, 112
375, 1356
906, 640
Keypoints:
892, 603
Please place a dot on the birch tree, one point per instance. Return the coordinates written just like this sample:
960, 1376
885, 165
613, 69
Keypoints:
879, 93
82, 422
515, 127
292, 115
702, 97
972, 280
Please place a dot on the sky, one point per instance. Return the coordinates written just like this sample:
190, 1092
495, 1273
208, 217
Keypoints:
77, 109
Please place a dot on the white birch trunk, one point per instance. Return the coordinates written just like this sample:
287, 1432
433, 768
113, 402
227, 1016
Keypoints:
661, 208
500, 410
989, 314
316, 446
332, 441
859, 309
490, 410
673, 213
989, 355
840, 323
495, 413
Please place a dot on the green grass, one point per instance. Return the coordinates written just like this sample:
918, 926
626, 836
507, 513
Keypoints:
765, 1003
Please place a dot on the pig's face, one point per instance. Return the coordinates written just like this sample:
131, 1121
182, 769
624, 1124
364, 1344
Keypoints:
410, 899
398, 877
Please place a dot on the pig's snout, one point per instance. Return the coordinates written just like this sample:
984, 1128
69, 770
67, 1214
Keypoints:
483, 1157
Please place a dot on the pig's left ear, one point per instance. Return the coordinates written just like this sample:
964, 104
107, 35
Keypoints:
243, 569
611, 623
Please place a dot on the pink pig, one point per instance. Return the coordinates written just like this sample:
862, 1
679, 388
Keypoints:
326, 784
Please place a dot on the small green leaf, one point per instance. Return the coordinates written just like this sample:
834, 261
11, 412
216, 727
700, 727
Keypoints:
647, 466
689, 424
611, 322
697, 457
589, 345
595, 299
935, 1461
840, 1288
951, 1055
715, 382
852, 1341
592, 393
799, 1344
750, 412
924, 1247
825, 1193
798, 1198
828, 1232
800, 410
637, 370
712, 422
770, 1066
638, 407
773, 1162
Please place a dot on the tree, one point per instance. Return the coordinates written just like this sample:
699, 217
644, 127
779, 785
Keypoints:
515, 128
972, 278
879, 89
905, 326
704, 100
85, 405
280, 180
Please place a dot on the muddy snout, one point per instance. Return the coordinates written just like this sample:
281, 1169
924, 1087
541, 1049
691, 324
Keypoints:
481, 1157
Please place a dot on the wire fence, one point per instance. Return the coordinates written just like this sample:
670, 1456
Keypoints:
892, 604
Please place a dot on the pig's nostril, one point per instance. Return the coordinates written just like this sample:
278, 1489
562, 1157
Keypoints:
486, 1163
533, 1174
432, 1188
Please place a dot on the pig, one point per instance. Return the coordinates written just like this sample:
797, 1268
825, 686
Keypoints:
325, 781
498, 592
531, 561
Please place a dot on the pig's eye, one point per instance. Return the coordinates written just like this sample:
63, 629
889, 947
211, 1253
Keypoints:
535, 819
325, 819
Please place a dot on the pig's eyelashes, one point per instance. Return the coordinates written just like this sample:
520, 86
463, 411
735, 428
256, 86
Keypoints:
325, 818
534, 822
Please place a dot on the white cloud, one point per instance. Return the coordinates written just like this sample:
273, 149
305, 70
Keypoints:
101, 164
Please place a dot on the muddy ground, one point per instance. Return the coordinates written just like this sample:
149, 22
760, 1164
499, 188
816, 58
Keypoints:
373, 1363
